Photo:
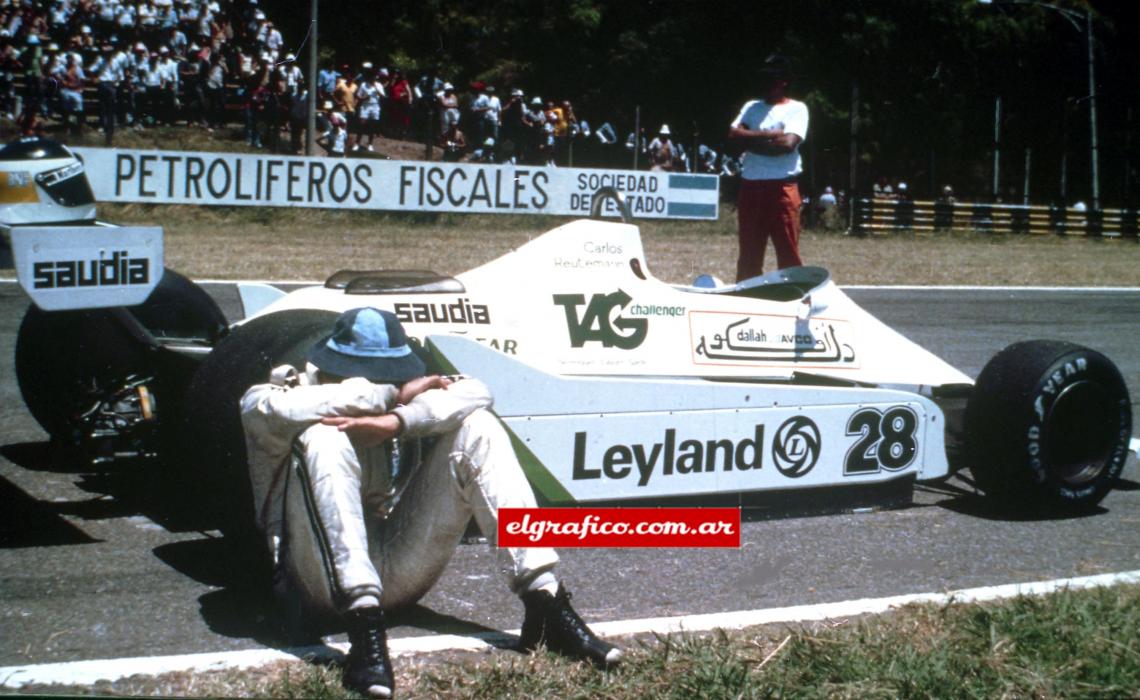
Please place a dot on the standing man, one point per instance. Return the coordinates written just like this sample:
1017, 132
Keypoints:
109, 70
369, 93
365, 471
769, 132
662, 152
487, 108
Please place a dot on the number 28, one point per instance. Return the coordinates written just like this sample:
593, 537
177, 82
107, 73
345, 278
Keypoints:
886, 440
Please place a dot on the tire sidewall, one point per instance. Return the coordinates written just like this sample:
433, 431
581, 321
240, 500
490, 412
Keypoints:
1081, 365
1008, 423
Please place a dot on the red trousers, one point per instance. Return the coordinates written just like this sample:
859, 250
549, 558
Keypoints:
767, 209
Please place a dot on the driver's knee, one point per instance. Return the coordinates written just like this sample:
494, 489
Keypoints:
480, 444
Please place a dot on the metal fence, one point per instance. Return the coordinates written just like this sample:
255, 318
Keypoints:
878, 216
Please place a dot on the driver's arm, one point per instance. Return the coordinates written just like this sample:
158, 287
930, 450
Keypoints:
439, 410
289, 407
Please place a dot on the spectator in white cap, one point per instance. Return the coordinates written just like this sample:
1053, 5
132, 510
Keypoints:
448, 108
149, 73
109, 69
662, 151
535, 120
292, 73
369, 95
335, 139
487, 109
485, 153
168, 64
513, 131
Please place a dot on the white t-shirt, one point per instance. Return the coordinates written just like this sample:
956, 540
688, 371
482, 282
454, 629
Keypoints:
494, 107
368, 95
789, 115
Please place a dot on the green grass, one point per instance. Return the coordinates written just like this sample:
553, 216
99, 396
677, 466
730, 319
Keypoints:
1070, 644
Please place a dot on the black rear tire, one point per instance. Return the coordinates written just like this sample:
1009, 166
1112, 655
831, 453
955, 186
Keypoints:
214, 454
65, 357
1049, 424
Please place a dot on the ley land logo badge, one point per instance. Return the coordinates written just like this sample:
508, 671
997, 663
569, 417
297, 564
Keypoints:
795, 449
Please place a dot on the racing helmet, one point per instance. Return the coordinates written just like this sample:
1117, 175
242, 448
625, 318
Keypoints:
43, 182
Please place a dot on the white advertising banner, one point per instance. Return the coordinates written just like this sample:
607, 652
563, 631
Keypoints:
233, 179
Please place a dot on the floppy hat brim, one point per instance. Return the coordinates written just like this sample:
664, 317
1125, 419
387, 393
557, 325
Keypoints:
382, 370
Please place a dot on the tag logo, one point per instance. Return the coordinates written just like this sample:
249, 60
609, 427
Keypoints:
596, 325
795, 449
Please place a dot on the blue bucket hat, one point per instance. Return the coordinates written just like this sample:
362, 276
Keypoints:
369, 343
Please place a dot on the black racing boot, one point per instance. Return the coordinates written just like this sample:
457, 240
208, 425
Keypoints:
550, 620
369, 670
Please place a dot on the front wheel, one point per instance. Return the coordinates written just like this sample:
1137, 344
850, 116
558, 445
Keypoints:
1049, 424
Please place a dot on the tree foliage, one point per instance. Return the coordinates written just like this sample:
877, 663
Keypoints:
928, 73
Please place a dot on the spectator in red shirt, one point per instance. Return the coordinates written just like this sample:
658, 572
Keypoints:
400, 104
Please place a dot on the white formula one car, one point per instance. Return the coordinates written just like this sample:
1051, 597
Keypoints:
616, 387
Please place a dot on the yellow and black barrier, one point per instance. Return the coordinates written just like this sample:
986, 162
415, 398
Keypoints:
879, 216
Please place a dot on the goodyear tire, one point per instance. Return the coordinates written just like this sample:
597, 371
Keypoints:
215, 467
65, 357
1049, 424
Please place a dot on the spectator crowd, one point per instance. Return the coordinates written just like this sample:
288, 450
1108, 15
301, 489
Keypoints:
139, 63
146, 62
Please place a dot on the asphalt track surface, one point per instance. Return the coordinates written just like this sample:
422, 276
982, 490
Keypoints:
87, 570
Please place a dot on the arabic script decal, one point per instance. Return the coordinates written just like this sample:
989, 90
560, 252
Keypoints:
772, 339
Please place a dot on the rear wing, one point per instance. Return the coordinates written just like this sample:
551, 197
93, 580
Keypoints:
84, 267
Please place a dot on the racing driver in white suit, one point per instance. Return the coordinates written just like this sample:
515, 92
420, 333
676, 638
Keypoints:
365, 473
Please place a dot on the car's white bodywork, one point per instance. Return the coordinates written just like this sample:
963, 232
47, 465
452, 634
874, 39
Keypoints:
572, 302
616, 385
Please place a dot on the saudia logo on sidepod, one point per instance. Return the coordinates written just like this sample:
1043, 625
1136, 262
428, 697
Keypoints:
596, 325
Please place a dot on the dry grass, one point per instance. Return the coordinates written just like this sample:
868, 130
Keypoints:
1064, 645
309, 244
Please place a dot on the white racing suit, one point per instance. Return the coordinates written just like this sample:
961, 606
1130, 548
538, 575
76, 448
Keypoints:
342, 522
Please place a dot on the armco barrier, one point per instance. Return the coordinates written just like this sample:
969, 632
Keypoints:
877, 216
